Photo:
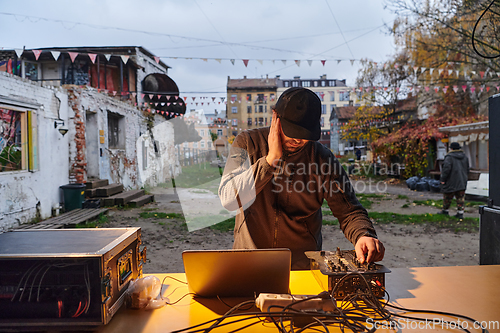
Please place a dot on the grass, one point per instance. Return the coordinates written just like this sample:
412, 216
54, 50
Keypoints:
469, 224
439, 203
96, 223
159, 215
224, 226
195, 175
403, 197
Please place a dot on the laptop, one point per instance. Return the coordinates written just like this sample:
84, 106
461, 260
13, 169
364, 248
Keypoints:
237, 273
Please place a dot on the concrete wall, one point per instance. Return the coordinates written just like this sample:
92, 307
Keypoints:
95, 157
25, 194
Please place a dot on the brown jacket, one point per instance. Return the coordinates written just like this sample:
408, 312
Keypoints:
281, 207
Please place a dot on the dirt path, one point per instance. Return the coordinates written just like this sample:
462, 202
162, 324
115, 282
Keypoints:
406, 245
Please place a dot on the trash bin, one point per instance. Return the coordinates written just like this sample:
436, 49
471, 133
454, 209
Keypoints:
74, 196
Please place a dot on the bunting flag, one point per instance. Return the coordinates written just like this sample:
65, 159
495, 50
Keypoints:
92, 57
19, 52
260, 61
309, 62
232, 61
107, 56
124, 58
297, 62
73, 56
245, 61
55, 55
204, 59
284, 62
323, 62
157, 59
352, 62
38, 52
218, 60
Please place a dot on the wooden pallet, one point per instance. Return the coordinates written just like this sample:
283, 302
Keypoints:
73, 217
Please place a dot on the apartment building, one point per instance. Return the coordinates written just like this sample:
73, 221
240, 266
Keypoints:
249, 103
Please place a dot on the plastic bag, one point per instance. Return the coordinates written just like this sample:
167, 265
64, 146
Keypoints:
144, 293
412, 182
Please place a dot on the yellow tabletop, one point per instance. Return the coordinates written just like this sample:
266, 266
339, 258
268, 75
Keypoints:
472, 291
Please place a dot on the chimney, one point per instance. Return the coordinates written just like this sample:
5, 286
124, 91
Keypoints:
278, 76
296, 77
323, 77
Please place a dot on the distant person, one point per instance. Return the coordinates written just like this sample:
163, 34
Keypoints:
358, 154
454, 175
277, 179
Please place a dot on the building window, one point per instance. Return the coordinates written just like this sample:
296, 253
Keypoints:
195, 144
234, 122
343, 96
219, 132
331, 83
234, 109
323, 109
323, 83
186, 145
332, 96
272, 97
321, 95
260, 98
202, 144
261, 121
249, 109
315, 83
202, 133
30, 71
261, 108
295, 83
209, 144
306, 83
116, 131
233, 98
265, 108
249, 121
266, 121
255, 121
18, 140
256, 109
286, 84
249, 97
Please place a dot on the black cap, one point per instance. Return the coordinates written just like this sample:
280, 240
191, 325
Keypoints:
299, 110
455, 146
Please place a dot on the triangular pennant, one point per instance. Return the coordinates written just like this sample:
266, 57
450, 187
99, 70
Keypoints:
426, 89
352, 62
159, 96
38, 52
157, 59
436, 89
193, 98
297, 62
114, 92
124, 58
464, 88
55, 54
455, 89
431, 71
422, 70
406, 67
284, 62
415, 69
245, 61
204, 59
134, 94
472, 89
218, 60
232, 61
323, 62
450, 71
309, 62
151, 96
440, 71
480, 73
107, 56
213, 99
260, 61
457, 72
445, 89
185, 98
19, 52
73, 56
92, 57
142, 96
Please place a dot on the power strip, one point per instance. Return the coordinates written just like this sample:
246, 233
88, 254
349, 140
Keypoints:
276, 302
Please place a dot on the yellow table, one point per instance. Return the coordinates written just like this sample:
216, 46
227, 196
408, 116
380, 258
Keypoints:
472, 291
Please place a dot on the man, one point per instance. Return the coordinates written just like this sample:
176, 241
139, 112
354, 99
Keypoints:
454, 175
278, 177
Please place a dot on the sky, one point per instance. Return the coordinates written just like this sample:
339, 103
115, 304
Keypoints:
270, 34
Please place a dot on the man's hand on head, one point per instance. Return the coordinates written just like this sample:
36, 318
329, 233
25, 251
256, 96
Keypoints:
274, 142
372, 247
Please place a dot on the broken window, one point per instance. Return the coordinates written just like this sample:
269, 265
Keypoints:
116, 135
18, 140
